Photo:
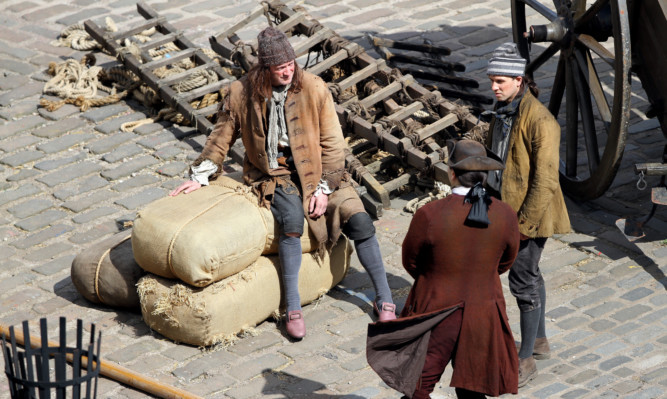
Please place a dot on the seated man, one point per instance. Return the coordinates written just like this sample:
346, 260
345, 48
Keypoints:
295, 162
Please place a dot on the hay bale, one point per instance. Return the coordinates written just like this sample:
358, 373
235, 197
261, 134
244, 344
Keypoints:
106, 273
206, 235
220, 311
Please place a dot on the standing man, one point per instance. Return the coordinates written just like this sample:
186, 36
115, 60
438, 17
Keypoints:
295, 163
456, 249
526, 137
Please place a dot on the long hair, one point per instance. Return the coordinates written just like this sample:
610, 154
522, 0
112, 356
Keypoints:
259, 77
531, 85
468, 178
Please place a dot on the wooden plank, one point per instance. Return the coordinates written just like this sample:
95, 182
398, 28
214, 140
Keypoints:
422, 48
318, 37
385, 92
651, 168
177, 77
357, 169
151, 23
191, 95
164, 39
103, 37
328, 63
375, 167
291, 22
253, 14
406, 111
348, 50
373, 207
206, 111
188, 52
182, 42
360, 75
435, 127
398, 182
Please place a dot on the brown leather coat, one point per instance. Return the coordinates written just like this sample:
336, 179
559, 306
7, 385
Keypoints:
530, 182
452, 264
316, 141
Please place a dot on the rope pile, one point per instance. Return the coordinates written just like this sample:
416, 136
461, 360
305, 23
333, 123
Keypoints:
441, 191
84, 85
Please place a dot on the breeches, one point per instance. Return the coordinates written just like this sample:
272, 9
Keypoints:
287, 209
525, 278
441, 346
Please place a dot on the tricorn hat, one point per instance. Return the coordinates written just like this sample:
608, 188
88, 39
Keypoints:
472, 155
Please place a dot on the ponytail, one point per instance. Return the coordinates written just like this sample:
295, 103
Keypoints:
532, 86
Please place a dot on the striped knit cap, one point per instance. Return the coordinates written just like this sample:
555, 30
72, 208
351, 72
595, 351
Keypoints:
506, 61
273, 48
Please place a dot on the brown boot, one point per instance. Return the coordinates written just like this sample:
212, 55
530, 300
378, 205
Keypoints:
541, 349
527, 370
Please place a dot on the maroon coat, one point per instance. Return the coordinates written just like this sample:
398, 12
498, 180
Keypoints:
453, 263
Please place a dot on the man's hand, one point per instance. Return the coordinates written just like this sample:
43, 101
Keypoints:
523, 237
318, 205
187, 187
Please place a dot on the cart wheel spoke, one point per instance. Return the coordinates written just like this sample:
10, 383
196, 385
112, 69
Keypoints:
586, 112
593, 80
597, 48
558, 88
590, 14
542, 58
540, 8
571, 123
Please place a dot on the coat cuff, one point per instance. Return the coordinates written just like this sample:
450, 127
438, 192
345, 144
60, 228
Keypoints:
333, 178
527, 228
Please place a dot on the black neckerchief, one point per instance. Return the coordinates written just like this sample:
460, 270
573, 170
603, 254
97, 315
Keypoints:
480, 200
505, 113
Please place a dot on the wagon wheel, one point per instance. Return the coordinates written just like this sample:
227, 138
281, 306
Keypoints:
591, 49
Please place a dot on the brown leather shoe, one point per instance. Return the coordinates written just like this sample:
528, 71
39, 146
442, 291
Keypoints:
296, 326
541, 349
387, 313
527, 370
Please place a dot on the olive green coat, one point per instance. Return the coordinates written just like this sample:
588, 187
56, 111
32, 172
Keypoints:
316, 141
530, 181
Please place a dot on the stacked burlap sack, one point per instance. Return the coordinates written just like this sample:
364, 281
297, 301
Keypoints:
205, 266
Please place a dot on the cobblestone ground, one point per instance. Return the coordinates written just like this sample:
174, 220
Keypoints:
69, 177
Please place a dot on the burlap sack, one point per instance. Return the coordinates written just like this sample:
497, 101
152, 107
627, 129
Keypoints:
215, 314
206, 235
106, 272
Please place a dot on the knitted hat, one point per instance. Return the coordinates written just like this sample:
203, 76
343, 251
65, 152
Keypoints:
506, 61
273, 48
472, 155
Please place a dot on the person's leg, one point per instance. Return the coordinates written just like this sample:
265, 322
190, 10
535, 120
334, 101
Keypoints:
289, 252
360, 229
288, 212
541, 349
528, 322
441, 345
525, 280
541, 328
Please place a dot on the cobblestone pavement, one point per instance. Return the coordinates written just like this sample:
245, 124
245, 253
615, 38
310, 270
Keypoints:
69, 177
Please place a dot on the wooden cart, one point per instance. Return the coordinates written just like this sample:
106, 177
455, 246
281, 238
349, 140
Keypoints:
598, 45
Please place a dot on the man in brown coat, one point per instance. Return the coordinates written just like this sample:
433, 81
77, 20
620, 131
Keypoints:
456, 248
527, 137
295, 162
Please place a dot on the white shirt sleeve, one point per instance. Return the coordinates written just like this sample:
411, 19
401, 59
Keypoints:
203, 171
322, 188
